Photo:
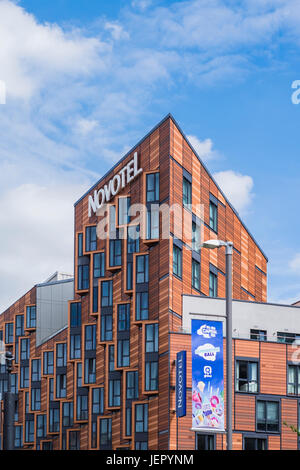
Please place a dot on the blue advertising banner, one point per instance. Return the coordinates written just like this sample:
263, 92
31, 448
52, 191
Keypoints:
181, 384
207, 375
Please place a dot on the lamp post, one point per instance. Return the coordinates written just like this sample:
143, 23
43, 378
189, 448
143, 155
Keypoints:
9, 407
212, 244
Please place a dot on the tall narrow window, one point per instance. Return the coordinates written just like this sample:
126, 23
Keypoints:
35, 370
114, 392
106, 293
141, 306
294, 379
186, 192
123, 352
133, 238
153, 222
142, 269
115, 250
141, 418
105, 433
75, 346
132, 385
177, 261
80, 244
82, 407
83, 277
196, 241
213, 284
124, 205
90, 371
75, 319
61, 355
152, 187
91, 238
195, 275
213, 216
48, 362
31, 317
99, 265
151, 338
123, 317
90, 337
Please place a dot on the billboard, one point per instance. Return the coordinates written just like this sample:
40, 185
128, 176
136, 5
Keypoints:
207, 375
181, 384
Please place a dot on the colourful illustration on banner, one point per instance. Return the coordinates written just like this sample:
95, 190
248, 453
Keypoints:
207, 375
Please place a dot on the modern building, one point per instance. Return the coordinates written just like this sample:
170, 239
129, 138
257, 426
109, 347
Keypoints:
106, 376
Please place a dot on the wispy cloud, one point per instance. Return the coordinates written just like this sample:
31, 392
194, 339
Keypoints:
237, 187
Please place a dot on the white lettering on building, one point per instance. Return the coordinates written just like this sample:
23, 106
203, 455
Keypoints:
127, 174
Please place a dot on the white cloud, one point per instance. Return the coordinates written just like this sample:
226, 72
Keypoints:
203, 148
294, 263
116, 30
36, 235
236, 187
141, 4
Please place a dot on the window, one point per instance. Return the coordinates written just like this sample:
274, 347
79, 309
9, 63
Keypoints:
29, 430
141, 445
105, 433
14, 384
67, 414
288, 338
124, 205
123, 317
74, 440
83, 277
79, 374
294, 380
246, 376
80, 244
95, 299
133, 239
141, 418
48, 362
128, 418
51, 389
41, 426
129, 279
177, 261
98, 401
142, 269
254, 443
152, 187
75, 320
114, 392
18, 437
213, 216
106, 327
153, 222
24, 377
54, 422
75, 346
196, 275
111, 358
186, 192
94, 435
9, 333
61, 386
35, 399
258, 335
90, 337
267, 416
35, 370
91, 238
61, 355
213, 284
142, 306
115, 251
82, 407
106, 293
196, 237
132, 385
151, 338
151, 375
90, 371
205, 441
31, 317
123, 353
25, 349
99, 265
47, 445
19, 326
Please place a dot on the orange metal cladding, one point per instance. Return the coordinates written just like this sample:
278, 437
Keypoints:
164, 150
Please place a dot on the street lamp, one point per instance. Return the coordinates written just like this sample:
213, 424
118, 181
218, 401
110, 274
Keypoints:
212, 244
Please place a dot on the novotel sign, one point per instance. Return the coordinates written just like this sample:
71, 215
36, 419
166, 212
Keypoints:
127, 174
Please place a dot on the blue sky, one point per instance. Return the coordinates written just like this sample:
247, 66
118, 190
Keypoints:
86, 80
